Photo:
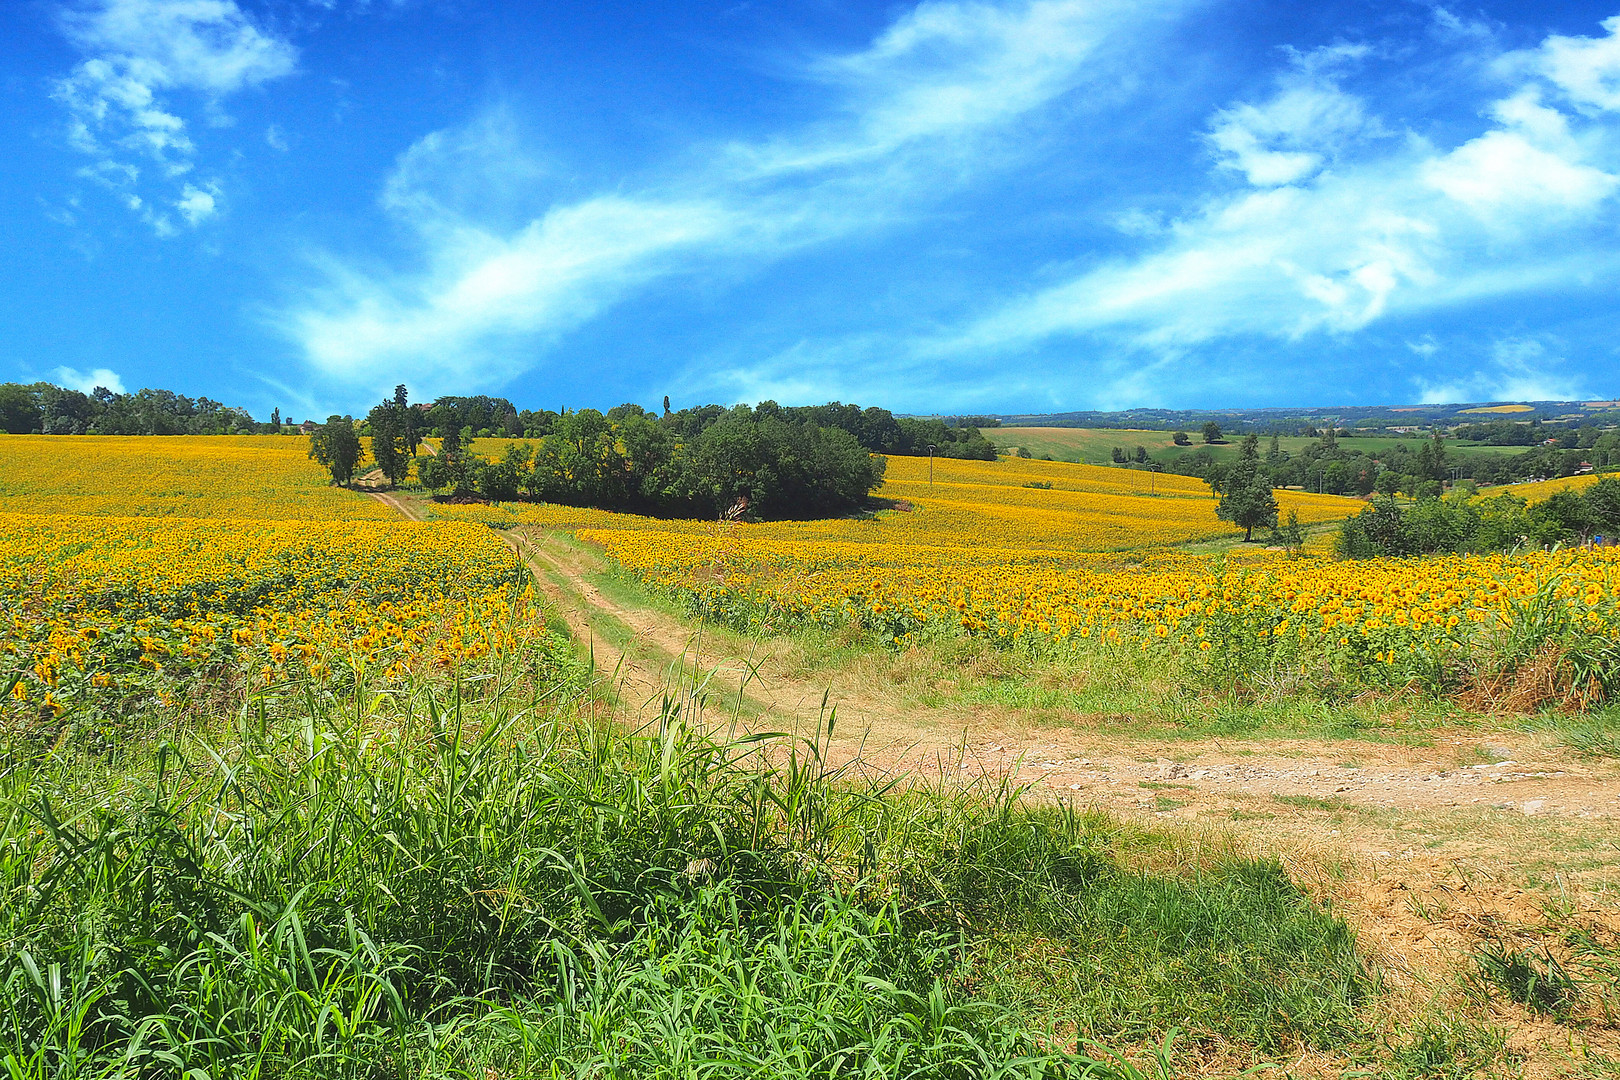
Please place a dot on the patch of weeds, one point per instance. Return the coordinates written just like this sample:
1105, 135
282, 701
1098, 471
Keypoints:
1164, 805
1540, 985
1156, 785
1598, 1064
1231, 951
1429, 909
1593, 734
1311, 802
1440, 1048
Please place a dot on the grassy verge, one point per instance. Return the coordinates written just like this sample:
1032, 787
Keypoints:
1125, 691
422, 886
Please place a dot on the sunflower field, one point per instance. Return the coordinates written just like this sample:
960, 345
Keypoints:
152, 577
1535, 491
1093, 559
268, 477
119, 617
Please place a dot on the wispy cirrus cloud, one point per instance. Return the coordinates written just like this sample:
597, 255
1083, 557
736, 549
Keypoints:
932, 102
145, 61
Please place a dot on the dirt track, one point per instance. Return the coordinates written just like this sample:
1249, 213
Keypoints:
644, 649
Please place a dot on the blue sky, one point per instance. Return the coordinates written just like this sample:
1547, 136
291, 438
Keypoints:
1026, 205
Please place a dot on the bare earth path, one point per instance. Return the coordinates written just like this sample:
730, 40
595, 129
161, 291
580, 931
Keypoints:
645, 649
1426, 848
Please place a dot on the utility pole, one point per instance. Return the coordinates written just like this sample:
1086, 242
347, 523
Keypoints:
931, 449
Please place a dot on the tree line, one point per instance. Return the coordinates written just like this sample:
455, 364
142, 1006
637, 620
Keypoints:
1333, 464
45, 409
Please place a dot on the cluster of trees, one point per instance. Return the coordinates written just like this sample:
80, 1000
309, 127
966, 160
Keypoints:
1460, 523
1503, 433
1571, 436
1545, 461
1139, 455
41, 408
763, 462
1211, 432
1329, 466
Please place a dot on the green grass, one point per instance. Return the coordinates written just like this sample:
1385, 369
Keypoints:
1592, 734
430, 886
1131, 693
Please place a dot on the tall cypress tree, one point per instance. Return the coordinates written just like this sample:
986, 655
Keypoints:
409, 430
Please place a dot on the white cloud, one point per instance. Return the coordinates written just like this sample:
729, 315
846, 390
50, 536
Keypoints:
1503, 169
140, 54
947, 69
923, 105
207, 45
1587, 70
1424, 346
196, 204
1529, 165
454, 323
1521, 369
1338, 229
84, 382
1296, 132
275, 138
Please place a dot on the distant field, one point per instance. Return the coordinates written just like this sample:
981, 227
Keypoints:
1498, 409
199, 476
1542, 489
1095, 446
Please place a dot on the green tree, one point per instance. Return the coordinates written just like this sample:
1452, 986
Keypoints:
410, 429
337, 447
1246, 497
1561, 517
1212, 432
19, 409
1119, 455
502, 480
1289, 536
388, 445
1504, 523
1141, 455
1181, 438
1377, 530
452, 467
1603, 503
